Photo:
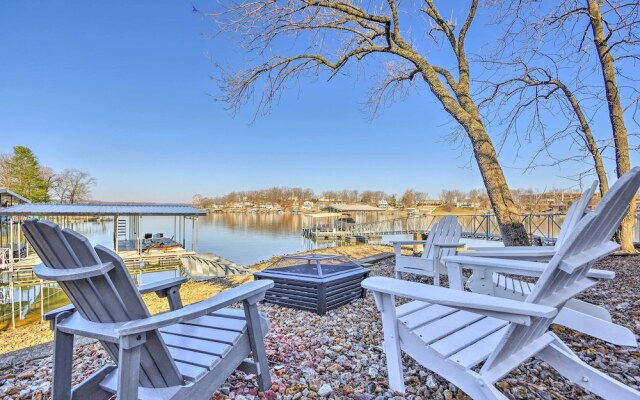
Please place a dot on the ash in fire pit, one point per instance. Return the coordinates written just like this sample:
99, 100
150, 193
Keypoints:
314, 282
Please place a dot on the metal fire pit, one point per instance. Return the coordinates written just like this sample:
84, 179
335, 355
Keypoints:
314, 282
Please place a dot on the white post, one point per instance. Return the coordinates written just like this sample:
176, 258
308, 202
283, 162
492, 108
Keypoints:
11, 241
19, 240
115, 233
20, 301
41, 299
13, 304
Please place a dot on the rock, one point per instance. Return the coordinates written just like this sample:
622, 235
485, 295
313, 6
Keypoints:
325, 390
373, 371
309, 373
26, 374
623, 305
431, 383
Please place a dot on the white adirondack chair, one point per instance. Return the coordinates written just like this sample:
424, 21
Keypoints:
185, 353
453, 332
443, 240
540, 253
576, 314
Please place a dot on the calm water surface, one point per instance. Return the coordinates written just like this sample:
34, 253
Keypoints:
242, 238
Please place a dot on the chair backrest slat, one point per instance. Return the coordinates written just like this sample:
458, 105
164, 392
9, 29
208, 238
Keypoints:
588, 241
446, 231
111, 297
575, 213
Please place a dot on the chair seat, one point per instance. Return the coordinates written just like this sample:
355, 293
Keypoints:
515, 287
463, 337
199, 345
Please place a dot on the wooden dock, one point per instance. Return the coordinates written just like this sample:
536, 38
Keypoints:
130, 258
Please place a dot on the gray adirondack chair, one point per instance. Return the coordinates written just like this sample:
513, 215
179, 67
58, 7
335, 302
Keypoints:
443, 240
474, 340
490, 277
184, 353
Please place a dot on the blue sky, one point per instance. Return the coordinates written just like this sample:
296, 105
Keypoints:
123, 90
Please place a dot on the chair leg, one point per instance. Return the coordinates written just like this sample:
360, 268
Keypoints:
454, 273
256, 339
596, 327
577, 371
398, 275
481, 282
129, 367
62, 364
589, 309
386, 305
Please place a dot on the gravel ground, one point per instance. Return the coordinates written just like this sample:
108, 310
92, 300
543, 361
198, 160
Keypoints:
339, 356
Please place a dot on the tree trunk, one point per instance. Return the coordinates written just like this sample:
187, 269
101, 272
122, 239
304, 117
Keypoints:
509, 219
623, 164
591, 144
466, 113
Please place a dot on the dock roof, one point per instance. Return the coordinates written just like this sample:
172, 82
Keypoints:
13, 194
40, 209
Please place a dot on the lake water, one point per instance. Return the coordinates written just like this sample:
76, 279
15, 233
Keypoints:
242, 238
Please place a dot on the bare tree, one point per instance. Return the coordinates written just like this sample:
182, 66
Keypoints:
536, 85
342, 33
6, 177
409, 198
586, 36
72, 186
451, 197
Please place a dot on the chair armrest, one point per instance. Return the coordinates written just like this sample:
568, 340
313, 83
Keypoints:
161, 285
252, 291
69, 274
401, 242
516, 253
449, 245
150, 287
169, 288
51, 315
512, 310
499, 248
516, 267
75, 324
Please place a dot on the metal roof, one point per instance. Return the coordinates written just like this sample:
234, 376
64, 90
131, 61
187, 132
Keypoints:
323, 215
36, 209
14, 194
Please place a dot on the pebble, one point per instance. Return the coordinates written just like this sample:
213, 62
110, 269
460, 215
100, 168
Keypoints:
312, 356
431, 382
325, 390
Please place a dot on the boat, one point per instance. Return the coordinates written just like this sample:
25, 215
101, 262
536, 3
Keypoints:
159, 243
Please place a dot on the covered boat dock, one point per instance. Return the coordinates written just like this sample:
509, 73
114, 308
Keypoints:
128, 234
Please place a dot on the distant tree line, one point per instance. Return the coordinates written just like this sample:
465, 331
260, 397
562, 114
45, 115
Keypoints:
21, 172
526, 199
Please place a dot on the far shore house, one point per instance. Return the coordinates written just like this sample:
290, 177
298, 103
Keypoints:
383, 204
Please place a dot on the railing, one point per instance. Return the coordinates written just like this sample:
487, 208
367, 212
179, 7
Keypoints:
542, 227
